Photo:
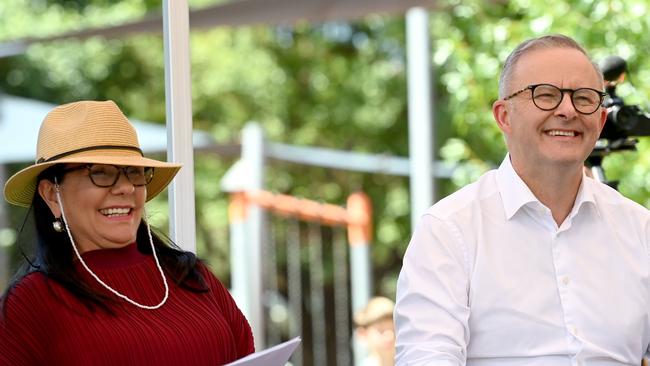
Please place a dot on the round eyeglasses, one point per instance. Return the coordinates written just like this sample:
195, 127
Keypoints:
103, 175
548, 97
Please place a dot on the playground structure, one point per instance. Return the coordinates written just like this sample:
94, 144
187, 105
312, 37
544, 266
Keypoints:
303, 261
278, 243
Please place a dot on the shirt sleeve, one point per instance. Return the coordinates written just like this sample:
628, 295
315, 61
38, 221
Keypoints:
238, 324
645, 361
432, 311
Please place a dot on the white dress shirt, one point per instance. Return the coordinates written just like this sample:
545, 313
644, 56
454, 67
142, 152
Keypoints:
490, 279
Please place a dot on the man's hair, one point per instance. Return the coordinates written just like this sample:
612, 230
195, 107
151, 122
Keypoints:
548, 41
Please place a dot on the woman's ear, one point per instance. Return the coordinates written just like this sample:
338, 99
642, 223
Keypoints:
47, 191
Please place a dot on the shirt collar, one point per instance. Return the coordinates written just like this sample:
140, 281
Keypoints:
515, 194
586, 194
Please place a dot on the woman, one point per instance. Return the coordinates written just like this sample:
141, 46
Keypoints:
103, 289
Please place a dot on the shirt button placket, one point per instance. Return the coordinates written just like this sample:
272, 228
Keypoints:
563, 281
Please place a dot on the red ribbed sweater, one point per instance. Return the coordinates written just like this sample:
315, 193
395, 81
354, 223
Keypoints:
46, 325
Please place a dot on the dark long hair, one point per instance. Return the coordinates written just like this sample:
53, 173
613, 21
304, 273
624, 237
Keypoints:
54, 256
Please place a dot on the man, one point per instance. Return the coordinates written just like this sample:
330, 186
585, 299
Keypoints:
535, 263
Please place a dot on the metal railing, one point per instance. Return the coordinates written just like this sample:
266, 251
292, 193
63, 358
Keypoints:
313, 278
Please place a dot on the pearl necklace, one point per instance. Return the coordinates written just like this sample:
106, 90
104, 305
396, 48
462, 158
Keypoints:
109, 288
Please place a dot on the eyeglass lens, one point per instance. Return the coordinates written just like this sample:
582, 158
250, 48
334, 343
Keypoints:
107, 175
548, 97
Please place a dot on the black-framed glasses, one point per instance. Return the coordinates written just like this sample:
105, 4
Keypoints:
548, 97
104, 175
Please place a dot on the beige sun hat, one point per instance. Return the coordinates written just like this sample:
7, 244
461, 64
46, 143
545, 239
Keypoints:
378, 308
86, 132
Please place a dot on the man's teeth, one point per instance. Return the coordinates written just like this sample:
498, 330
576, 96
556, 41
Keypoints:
112, 212
561, 133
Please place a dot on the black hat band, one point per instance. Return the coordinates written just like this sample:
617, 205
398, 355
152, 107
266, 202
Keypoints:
101, 147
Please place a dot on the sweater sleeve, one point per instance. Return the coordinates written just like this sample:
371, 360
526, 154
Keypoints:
21, 326
239, 326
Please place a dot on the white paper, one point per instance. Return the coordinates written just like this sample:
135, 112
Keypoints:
275, 356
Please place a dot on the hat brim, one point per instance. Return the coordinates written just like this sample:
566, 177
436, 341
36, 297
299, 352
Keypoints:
20, 188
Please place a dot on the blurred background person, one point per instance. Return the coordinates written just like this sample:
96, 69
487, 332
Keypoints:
375, 330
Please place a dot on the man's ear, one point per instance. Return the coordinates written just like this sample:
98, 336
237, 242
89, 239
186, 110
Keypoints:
501, 115
47, 191
603, 118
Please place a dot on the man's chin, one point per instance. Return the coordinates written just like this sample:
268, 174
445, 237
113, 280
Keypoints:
568, 163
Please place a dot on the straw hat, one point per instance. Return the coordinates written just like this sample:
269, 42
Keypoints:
378, 308
86, 132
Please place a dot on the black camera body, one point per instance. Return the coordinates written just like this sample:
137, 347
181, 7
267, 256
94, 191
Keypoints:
623, 121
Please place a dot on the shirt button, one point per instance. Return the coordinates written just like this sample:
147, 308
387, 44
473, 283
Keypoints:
573, 330
565, 280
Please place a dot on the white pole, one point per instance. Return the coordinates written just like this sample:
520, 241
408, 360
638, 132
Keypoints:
239, 272
4, 225
178, 99
419, 112
361, 281
253, 158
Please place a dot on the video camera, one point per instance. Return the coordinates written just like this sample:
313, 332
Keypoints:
623, 121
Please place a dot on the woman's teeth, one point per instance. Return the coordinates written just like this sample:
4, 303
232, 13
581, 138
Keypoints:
112, 212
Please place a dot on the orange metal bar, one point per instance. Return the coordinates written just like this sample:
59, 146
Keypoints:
357, 217
237, 207
304, 209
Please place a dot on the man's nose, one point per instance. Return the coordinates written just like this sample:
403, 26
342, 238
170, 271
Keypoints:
566, 108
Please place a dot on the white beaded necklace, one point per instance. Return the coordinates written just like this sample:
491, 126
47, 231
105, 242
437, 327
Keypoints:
109, 288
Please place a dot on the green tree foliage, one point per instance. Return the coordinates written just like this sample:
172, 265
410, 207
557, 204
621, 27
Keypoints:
338, 84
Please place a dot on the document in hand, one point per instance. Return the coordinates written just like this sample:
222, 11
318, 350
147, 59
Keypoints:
274, 356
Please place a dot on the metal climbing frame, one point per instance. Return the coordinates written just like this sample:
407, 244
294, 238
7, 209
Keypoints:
247, 227
312, 279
